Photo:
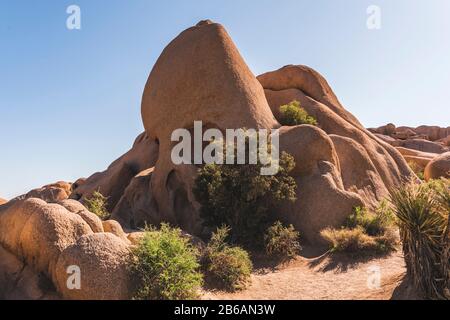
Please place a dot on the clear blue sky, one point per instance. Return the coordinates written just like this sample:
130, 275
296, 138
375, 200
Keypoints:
70, 100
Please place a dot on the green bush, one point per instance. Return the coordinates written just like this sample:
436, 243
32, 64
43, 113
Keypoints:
97, 205
228, 267
293, 114
373, 223
423, 221
238, 195
166, 266
282, 241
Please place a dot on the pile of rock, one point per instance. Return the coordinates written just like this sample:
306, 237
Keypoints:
42, 245
420, 146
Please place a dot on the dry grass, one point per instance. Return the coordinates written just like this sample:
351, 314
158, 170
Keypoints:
357, 242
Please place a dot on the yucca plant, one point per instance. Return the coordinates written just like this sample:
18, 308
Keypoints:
422, 224
444, 197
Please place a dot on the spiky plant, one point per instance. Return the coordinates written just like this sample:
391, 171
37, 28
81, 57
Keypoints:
422, 226
444, 197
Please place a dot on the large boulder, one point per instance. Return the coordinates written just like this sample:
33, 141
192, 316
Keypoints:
322, 198
387, 130
424, 146
3, 201
438, 167
113, 181
433, 132
103, 261
50, 193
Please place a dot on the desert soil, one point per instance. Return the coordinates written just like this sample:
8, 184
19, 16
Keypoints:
336, 277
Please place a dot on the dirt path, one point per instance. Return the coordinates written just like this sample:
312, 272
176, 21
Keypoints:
326, 277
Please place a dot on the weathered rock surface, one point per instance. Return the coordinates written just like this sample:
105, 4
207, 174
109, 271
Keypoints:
137, 206
103, 259
34, 238
381, 166
438, 167
424, 146
3, 201
90, 218
19, 281
52, 193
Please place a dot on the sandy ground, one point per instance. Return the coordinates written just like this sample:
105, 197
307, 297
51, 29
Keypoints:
336, 277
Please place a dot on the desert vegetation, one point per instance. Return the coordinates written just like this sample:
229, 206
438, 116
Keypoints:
364, 232
240, 197
282, 242
227, 267
422, 212
293, 114
97, 205
166, 265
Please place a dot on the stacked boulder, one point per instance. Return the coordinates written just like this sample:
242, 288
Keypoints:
42, 244
419, 146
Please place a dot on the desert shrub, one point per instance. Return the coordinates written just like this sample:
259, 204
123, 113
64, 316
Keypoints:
166, 265
238, 195
373, 223
227, 266
97, 205
365, 232
293, 114
357, 241
282, 241
423, 221
417, 170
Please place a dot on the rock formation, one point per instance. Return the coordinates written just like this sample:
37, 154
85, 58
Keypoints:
438, 167
431, 139
40, 241
53, 192
200, 76
366, 166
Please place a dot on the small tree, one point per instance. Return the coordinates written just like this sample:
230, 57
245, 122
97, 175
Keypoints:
237, 195
293, 114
